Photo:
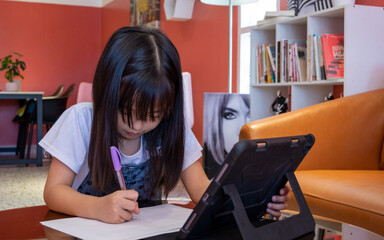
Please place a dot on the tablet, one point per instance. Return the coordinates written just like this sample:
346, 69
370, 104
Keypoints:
257, 169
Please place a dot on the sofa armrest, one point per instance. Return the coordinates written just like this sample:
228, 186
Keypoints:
349, 131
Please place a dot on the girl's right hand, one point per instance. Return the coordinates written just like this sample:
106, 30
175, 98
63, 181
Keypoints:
118, 207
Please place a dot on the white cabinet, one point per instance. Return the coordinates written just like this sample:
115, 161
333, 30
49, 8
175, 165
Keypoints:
363, 29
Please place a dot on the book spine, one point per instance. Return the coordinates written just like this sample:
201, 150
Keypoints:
317, 57
309, 58
256, 80
321, 59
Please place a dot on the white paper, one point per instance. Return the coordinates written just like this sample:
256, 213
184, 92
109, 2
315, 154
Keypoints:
151, 221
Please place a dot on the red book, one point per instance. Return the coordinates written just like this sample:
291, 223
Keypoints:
333, 53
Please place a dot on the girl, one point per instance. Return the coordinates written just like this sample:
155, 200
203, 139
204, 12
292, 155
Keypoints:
137, 107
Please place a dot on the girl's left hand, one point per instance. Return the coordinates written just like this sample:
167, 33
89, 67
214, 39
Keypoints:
279, 202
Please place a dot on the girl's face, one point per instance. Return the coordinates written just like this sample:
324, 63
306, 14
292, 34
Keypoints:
138, 127
234, 116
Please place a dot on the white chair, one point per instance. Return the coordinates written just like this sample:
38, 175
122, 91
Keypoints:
188, 100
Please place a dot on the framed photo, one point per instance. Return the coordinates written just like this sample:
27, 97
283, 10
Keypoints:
224, 115
145, 13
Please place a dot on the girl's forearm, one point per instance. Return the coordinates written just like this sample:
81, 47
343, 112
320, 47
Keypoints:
195, 181
62, 198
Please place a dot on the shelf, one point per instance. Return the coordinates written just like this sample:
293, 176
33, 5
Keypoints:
328, 13
311, 83
363, 61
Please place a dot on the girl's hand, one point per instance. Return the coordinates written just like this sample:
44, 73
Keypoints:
118, 207
279, 202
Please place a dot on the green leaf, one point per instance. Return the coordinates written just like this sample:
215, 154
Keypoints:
22, 65
12, 67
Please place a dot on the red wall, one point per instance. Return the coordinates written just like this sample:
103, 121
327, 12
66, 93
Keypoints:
202, 43
61, 45
203, 47
114, 15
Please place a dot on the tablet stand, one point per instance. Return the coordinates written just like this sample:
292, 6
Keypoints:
289, 228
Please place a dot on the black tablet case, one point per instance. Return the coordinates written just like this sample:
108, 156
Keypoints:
252, 173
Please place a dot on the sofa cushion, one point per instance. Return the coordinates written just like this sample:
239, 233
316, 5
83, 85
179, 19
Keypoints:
358, 189
349, 131
354, 197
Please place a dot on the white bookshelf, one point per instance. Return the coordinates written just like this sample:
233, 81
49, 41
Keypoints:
363, 29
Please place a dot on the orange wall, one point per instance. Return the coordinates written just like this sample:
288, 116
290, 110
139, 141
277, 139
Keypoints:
61, 45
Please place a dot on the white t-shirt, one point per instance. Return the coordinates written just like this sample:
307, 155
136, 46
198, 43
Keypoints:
69, 138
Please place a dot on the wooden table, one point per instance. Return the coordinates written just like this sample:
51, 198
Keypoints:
39, 99
24, 223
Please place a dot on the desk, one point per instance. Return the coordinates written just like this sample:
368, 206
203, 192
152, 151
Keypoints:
24, 223
39, 99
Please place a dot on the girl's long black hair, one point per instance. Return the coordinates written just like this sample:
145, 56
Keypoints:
138, 69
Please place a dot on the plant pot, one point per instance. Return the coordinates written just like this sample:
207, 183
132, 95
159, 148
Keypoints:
11, 87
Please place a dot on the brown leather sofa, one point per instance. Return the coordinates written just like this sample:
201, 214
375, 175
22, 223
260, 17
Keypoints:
342, 176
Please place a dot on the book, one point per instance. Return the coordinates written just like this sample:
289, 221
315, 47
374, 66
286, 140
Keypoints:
272, 57
256, 79
309, 58
316, 56
282, 13
321, 59
264, 64
260, 64
333, 50
282, 60
301, 62
311, 69
268, 64
290, 65
278, 55
291, 76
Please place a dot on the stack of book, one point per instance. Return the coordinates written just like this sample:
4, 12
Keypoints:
273, 16
325, 56
320, 57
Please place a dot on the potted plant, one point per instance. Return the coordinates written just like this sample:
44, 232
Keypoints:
12, 69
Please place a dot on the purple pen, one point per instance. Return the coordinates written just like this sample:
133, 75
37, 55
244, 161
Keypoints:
116, 160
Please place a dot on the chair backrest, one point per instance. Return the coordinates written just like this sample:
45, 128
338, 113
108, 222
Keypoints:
85, 92
188, 99
53, 108
69, 91
58, 91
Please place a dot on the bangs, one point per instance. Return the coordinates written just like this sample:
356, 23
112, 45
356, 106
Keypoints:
149, 97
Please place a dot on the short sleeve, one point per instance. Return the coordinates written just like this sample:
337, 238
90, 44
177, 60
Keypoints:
68, 139
192, 151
